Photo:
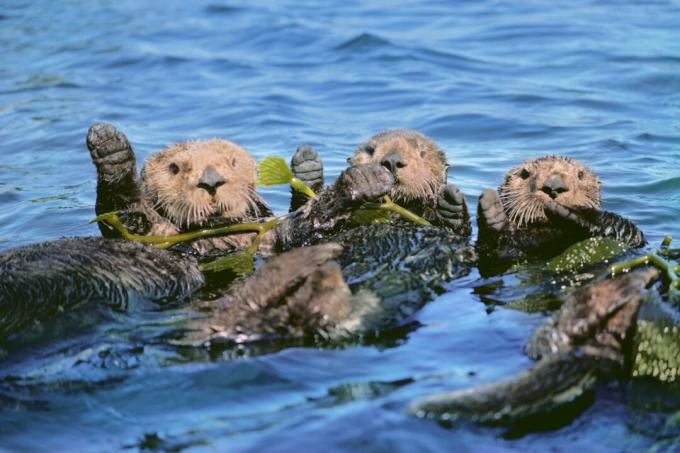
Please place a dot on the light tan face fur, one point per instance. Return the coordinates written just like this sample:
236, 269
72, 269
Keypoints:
421, 169
529, 186
172, 179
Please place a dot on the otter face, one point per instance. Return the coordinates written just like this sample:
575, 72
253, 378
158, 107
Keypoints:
529, 186
418, 165
188, 183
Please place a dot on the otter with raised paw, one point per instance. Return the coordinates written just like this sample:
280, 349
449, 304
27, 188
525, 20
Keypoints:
543, 206
419, 167
183, 187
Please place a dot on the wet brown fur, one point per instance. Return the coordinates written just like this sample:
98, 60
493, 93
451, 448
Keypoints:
184, 206
424, 173
523, 199
178, 196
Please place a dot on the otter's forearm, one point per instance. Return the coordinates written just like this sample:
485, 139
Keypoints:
313, 222
616, 227
112, 155
598, 223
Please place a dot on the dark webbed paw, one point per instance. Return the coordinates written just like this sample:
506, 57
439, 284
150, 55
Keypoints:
490, 211
364, 182
452, 209
135, 222
597, 223
308, 168
108, 147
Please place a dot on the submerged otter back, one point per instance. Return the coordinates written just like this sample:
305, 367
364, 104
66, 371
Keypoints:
40, 280
403, 266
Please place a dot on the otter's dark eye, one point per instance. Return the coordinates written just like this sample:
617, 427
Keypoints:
524, 174
369, 149
174, 168
581, 174
422, 154
233, 162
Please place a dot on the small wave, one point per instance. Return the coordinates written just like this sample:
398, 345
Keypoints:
221, 9
654, 138
364, 41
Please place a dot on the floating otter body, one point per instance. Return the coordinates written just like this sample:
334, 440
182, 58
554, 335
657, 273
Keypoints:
413, 166
419, 167
183, 187
39, 280
543, 206
589, 338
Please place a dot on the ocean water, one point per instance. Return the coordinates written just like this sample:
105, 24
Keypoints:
494, 83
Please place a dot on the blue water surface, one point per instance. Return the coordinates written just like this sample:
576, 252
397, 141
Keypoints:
494, 83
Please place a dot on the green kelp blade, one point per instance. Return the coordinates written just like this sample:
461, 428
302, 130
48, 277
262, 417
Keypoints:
370, 216
239, 264
273, 171
166, 241
590, 251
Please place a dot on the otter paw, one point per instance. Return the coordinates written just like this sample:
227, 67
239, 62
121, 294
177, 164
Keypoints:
135, 222
365, 182
557, 211
307, 166
490, 211
451, 207
104, 140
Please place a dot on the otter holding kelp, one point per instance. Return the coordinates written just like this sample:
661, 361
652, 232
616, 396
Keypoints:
183, 187
543, 206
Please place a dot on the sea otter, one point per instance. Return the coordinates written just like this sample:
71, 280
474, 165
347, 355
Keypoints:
419, 167
543, 206
183, 187
589, 338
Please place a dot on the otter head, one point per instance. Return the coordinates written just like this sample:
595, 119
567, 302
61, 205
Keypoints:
418, 165
189, 183
530, 186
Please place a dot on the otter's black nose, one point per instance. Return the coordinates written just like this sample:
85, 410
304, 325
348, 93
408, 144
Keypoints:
392, 161
210, 180
554, 186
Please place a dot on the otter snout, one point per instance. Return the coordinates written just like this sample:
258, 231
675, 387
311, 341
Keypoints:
392, 161
554, 185
210, 180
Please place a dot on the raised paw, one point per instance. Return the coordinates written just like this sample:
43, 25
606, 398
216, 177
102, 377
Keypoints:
452, 210
365, 182
308, 168
490, 211
108, 146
